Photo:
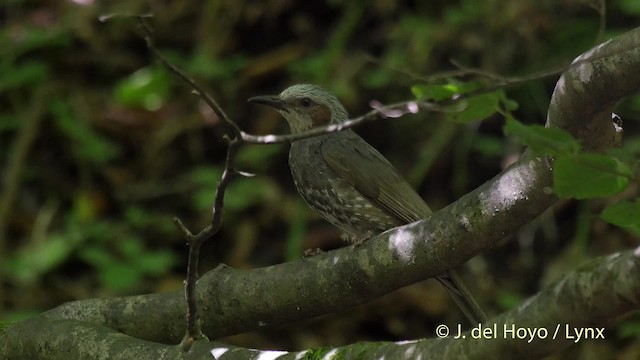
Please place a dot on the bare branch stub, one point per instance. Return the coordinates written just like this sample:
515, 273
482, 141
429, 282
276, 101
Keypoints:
185, 232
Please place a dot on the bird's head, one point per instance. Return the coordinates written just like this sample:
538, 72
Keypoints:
305, 106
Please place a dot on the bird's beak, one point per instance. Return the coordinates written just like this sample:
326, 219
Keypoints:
270, 100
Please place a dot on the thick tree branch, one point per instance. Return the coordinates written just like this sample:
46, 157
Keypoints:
242, 300
589, 297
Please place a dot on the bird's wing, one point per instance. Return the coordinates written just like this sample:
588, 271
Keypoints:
357, 162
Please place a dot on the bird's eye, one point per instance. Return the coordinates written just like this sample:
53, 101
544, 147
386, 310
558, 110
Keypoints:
306, 102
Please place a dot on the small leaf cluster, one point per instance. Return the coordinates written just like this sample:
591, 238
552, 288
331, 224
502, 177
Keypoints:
577, 173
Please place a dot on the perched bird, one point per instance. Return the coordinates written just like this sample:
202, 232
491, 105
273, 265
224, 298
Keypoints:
347, 181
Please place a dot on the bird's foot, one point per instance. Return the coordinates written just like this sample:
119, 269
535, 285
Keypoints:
312, 252
356, 240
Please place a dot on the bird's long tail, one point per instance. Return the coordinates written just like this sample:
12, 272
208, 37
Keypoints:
462, 297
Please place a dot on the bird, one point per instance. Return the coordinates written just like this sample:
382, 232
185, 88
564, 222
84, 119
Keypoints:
347, 181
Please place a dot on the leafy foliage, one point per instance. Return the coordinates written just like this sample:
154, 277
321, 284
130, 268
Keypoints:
585, 176
126, 269
625, 214
474, 108
578, 174
146, 88
87, 144
542, 140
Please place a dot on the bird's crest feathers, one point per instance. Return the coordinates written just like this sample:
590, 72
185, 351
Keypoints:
325, 107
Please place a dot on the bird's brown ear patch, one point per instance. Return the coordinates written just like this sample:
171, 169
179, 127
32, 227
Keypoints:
320, 115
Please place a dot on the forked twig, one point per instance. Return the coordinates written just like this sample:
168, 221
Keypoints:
194, 329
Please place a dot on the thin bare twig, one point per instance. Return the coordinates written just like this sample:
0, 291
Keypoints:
509, 80
193, 326
394, 110
210, 101
430, 78
412, 106
380, 111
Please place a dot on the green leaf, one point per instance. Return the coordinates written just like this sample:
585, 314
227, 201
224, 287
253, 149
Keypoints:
138, 217
206, 178
120, 276
97, 256
257, 156
33, 38
433, 92
131, 247
156, 262
489, 145
542, 140
509, 104
38, 258
625, 214
227, 67
87, 144
443, 92
24, 75
508, 300
245, 192
84, 207
476, 108
146, 88
377, 78
585, 176
241, 193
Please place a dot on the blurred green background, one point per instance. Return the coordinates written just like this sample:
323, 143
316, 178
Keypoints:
100, 146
